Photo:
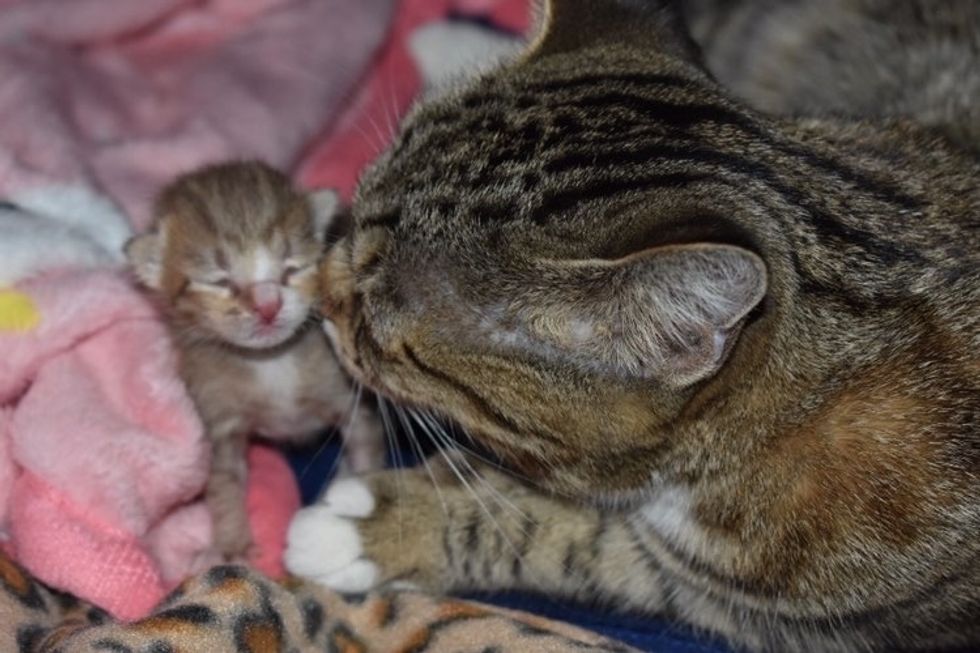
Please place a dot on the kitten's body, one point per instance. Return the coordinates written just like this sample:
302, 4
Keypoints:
750, 341
224, 235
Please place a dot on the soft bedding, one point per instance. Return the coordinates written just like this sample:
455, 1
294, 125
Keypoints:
237, 609
101, 457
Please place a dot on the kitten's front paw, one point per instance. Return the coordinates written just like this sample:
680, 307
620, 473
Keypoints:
367, 531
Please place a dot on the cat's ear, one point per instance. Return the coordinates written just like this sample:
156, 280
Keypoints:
567, 25
670, 313
325, 207
145, 255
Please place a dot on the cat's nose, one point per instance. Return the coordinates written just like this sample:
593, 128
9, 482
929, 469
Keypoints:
266, 300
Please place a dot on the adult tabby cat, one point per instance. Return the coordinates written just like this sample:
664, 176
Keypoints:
736, 354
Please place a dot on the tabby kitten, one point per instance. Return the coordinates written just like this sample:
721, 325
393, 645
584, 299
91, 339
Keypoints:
233, 256
736, 354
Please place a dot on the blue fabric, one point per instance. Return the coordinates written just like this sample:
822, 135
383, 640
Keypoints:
313, 469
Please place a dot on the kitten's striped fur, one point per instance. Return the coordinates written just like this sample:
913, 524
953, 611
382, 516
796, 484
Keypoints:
223, 235
568, 256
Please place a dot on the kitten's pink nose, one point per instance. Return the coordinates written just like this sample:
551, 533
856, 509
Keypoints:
266, 300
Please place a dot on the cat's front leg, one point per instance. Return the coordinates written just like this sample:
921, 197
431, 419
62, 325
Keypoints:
486, 532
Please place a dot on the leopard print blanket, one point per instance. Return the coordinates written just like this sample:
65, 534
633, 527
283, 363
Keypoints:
236, 609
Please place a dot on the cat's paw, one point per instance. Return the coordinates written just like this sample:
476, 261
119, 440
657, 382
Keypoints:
323, 543
365, 531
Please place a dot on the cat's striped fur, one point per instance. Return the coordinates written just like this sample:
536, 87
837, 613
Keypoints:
738, 351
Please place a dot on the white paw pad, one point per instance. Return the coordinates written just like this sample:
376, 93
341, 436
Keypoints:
323, 544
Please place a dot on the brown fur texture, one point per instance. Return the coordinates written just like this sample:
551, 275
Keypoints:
220, 232
855, 58
736, 352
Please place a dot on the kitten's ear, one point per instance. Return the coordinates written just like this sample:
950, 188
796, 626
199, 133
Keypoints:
325, 207
566, 25
670, 313
145, 255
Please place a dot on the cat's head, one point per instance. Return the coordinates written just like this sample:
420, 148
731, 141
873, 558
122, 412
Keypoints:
233, 253
538, 255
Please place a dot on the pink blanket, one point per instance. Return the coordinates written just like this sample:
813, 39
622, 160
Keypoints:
102, 457
125, 94
397, 76
103, 102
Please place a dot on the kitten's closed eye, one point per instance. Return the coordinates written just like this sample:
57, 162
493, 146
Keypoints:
221, 282
223, 286
245, 244
287, 273
292, 271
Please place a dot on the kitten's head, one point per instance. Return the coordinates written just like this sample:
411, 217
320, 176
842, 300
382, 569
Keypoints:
233, 253
522, 261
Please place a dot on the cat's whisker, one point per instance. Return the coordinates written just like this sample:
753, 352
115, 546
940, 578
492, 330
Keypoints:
444, 442
391, 439
352, 409
379, 134
396, 454
319, 452
473, 452
449, 442
442, 449
441, 446
417, 447
372, 141
493, 493
391, 110
496, 495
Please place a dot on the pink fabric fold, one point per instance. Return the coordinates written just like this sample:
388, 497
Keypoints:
101, 456
388, 90
103, 443
126, 95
